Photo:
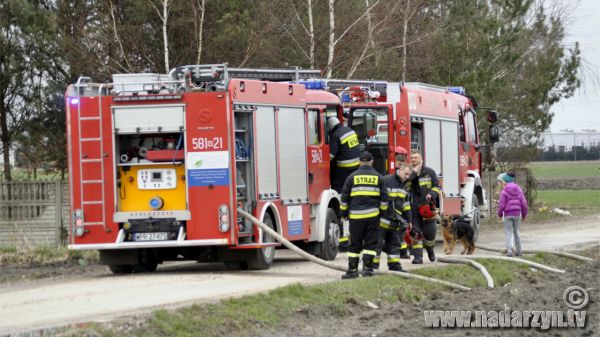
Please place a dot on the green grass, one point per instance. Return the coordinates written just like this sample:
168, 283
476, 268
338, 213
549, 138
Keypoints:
16, 255
570, 198
565, 169
248, 315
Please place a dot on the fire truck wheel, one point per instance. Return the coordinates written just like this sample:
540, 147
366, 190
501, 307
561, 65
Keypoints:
261, 259
329, 247
120, 268
475, 218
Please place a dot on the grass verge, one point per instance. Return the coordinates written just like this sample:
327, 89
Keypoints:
249, 315
565, 169
41, 255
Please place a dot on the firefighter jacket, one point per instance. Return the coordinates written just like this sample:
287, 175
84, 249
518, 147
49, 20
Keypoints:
399, 211
343, 146
423, 184
364, 194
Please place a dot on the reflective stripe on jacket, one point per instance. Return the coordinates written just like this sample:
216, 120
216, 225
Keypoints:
398, 199
364, 194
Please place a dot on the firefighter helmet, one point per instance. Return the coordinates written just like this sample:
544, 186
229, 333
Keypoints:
401, 150
332, 122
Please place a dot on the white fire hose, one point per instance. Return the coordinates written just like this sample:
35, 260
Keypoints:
559, 253
330, 265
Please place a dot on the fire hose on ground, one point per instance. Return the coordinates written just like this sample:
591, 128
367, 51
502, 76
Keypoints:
474, 264
559, 253
330, 265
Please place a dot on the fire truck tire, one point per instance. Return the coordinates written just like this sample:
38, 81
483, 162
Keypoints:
329, 247
120, 268
147, 262
475, 218
261, 259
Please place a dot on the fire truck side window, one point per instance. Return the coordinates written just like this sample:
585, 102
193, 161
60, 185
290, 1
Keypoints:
461, 126
416, 137
472, 129
365, 123
313, 127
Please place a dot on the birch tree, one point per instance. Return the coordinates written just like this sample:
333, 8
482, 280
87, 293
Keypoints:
164, 18
200, 27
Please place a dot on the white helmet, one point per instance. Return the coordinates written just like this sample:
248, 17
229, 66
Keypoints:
332, 122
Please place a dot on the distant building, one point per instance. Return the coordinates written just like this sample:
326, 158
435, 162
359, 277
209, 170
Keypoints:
566, 140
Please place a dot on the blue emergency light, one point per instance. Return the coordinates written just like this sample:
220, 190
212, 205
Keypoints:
457, 90
313, 84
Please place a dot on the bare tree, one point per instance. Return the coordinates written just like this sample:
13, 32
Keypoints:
111, 9
332, 39
164, 18
311, 33
200, 28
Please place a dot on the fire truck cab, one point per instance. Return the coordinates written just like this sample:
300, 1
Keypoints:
159, 165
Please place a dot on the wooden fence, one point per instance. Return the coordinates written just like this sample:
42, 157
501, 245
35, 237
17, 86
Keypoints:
33, 212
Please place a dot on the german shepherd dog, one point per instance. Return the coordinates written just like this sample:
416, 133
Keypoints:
457, 229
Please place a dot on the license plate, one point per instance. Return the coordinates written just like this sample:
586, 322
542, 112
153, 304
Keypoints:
150, 236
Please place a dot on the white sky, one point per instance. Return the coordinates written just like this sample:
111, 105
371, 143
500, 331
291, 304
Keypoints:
582, 111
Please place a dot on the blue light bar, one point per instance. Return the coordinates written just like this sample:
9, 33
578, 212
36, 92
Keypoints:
315, 84
346, 97
457, 90
74, 100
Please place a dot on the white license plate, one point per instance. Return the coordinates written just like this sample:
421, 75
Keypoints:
150, 236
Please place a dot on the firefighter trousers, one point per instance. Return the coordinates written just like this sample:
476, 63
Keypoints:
364, 236
339, 176
389, 243
427, 228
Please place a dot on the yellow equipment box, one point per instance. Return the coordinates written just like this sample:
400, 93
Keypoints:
152, 188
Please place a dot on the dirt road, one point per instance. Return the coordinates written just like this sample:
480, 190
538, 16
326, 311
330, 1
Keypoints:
32, 305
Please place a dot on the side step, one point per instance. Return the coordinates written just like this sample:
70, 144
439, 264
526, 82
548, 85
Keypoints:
256, 245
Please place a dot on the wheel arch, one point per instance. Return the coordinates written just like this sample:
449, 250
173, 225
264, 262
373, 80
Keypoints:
329, 199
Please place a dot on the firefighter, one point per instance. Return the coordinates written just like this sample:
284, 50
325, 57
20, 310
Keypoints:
343, 153
364, 197
398, 217
425, 193
401, 154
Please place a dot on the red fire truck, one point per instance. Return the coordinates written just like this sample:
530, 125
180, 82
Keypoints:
438, 122
159, 165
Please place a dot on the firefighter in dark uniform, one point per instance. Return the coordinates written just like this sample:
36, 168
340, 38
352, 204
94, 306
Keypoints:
343, 153
396, 219
364, 198
401, 158
425, 191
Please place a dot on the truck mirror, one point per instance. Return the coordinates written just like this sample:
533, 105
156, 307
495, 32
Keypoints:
494, 134
492, 116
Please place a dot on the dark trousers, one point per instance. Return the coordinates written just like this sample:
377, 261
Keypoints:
389, 242
364, 236
339, 176
427, 228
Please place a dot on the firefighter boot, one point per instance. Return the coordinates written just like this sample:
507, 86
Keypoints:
344, 244
417, 253
404, 251
376, 262
368, 265
430, 253
352, 269
395, 267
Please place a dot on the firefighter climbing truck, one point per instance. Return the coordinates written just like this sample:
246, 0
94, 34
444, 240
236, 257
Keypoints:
159, 165
438, 122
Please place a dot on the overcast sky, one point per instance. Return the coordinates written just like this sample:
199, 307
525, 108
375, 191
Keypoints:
582, 111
